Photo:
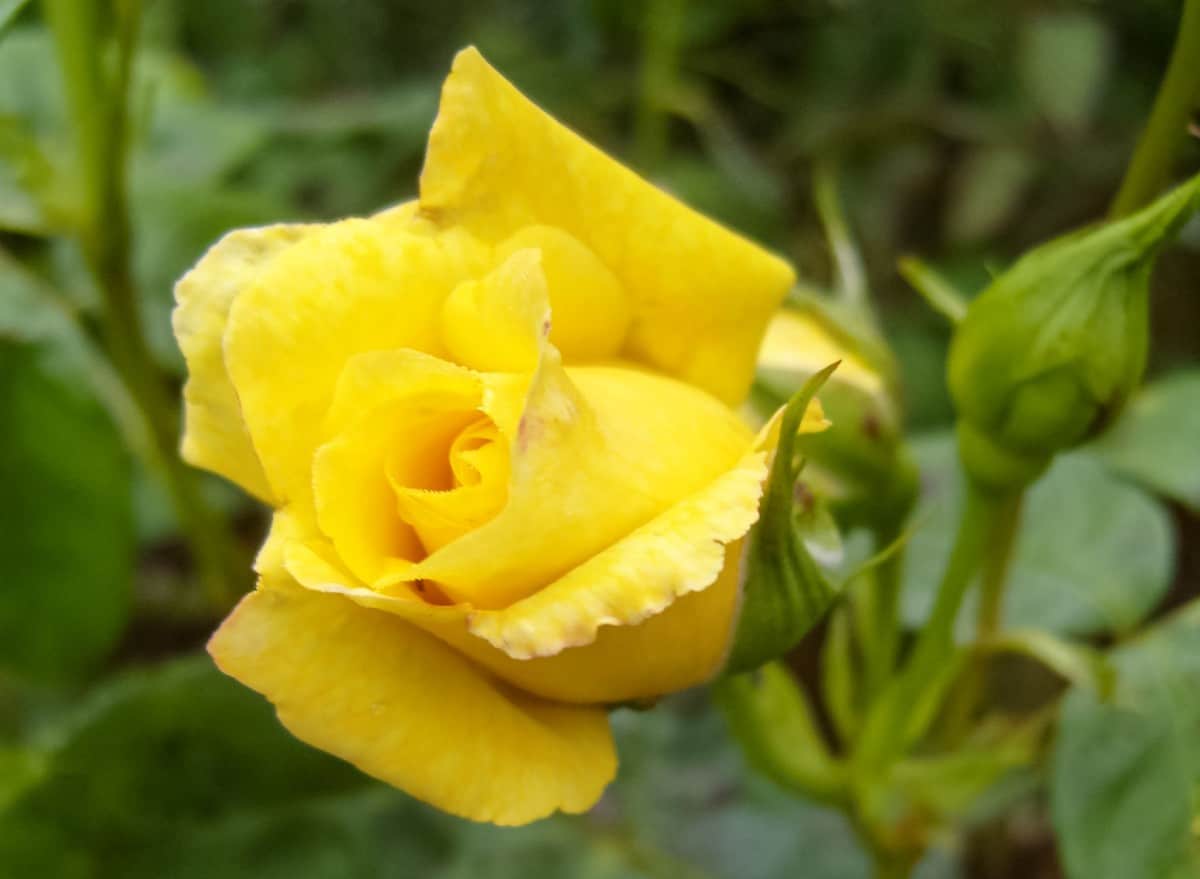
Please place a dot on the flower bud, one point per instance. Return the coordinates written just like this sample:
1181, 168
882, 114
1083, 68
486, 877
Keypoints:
860, 465
1048, 354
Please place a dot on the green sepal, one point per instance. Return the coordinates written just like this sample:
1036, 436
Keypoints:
784, 591
769, 715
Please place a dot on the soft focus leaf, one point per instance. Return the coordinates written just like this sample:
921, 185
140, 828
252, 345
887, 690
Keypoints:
839, 674
1052, 584
20, 769
9, 10
1157, 439
66, 533
948, 785
683, 788
30, 184
936, 290
178, 771
987, 189
150, 754
1064, 62
1078, 664
1125, 773
769, 714
30, 86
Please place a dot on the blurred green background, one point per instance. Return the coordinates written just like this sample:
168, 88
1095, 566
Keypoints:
963, 131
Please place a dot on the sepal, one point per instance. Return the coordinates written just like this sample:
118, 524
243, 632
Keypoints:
784, 591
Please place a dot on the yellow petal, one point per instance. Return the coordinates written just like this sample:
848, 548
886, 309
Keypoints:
215, 436
651, 615
591, 309
394, 416
598, 453
700, 296
498, 322
346, 288
797, 343
476, 489
680, 647
407, 709
680, 551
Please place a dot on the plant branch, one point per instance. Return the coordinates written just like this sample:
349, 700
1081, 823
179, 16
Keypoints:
1150, 168
892, 722
996, 563
98, 103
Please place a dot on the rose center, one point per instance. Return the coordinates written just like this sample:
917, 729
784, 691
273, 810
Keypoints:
455, 482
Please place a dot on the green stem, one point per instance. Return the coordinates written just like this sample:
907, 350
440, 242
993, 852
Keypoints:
888, 724
885, 625
996, 563
98, 103
1150, 168
997, 558
937, 637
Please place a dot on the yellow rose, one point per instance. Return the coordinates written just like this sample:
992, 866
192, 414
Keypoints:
497, 428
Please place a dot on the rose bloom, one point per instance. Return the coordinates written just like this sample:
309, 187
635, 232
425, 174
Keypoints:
497, 426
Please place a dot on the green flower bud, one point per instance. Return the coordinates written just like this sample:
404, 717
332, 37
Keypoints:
1048, 354
860, 465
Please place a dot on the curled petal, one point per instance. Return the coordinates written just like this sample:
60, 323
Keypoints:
215, 436
699, 296
408, 709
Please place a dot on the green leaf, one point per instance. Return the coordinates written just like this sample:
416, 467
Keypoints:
39, 197
1052, 585
784, 591
150, 754
684, 788
179, 771
950, 785
1156, 441
9, 10
986, 191
20, 769
839, 674
941, 295
66, 531
1126, 773
1064, 61
1076, 663
769, 714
